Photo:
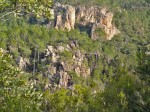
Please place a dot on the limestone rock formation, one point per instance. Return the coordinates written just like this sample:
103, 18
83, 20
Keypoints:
98, 20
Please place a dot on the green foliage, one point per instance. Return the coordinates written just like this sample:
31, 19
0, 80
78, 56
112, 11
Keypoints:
100, 33
66, 55
119, 79
76, 79
16, 94
21, 7
144, 61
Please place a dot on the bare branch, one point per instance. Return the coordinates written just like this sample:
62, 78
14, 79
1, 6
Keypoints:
3, 16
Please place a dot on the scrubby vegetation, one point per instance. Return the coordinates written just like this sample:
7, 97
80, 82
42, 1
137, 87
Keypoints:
120, 80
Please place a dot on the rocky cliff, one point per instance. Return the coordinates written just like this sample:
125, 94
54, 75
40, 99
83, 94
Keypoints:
63, 61
64, 17
59, 62
96, 20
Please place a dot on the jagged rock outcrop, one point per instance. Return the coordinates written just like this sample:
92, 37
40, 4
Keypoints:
64, 17
98, 20
60, 67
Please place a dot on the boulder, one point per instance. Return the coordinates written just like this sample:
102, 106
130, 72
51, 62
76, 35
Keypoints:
22, 63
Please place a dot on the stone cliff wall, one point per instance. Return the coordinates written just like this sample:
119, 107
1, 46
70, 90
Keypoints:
66, 17
60, 67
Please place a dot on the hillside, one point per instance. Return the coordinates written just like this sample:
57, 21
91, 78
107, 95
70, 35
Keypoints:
90, 57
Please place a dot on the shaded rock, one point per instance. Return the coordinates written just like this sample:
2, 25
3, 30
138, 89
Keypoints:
73, 44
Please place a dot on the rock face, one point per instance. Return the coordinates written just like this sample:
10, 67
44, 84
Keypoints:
61, 67
64, 17
98, 20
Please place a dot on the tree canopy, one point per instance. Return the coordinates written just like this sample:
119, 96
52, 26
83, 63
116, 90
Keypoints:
23, 7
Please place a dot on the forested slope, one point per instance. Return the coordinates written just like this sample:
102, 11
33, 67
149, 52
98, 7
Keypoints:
119, 77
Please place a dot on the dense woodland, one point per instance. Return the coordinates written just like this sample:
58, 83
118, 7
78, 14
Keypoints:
121, 85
